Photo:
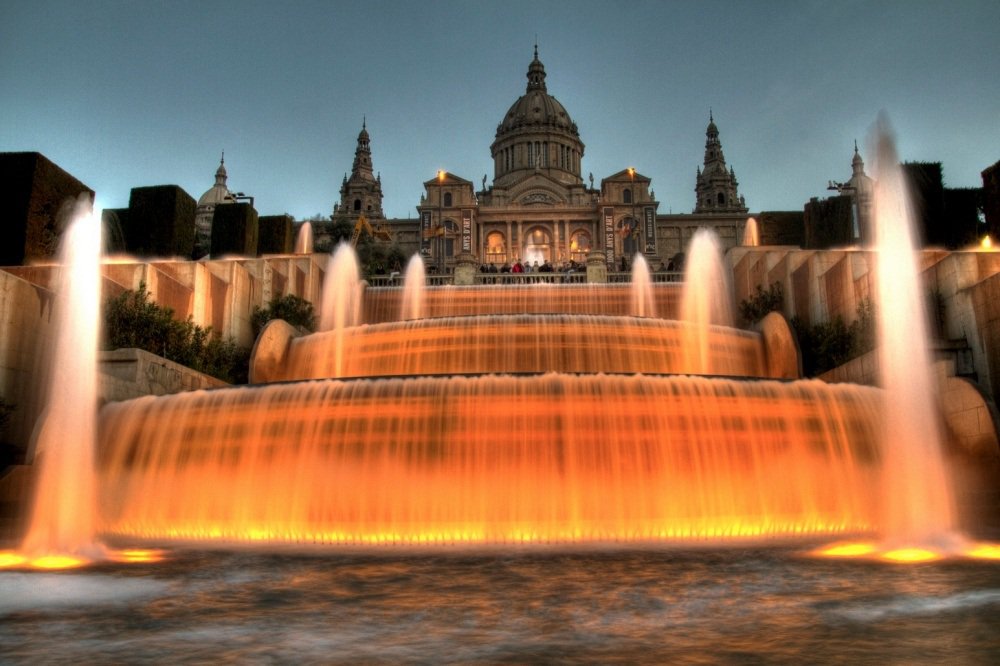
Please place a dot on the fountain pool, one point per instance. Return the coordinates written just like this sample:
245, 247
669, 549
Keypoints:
677, 605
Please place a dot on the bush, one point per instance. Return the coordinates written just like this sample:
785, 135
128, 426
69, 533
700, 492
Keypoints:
296, 311
6, 409
133, 320
827, 345
763, 301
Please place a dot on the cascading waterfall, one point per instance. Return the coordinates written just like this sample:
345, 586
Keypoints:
493, 459
519, 343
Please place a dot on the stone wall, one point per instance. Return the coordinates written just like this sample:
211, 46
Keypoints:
963, 290
132, 373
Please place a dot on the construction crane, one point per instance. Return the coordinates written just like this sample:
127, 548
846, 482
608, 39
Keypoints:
381, 231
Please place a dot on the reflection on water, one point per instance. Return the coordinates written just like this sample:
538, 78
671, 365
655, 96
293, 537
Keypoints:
656, 606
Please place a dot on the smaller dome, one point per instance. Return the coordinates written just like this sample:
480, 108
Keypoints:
218, 193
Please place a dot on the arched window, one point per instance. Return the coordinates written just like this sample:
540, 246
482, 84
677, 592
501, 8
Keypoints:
722, 199
579, 246
496, 248
447, 199
627, 196
357, 204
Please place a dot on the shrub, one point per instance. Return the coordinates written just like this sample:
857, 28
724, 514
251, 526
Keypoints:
754, 308
827, 345
6, 409
133, 320
296, 311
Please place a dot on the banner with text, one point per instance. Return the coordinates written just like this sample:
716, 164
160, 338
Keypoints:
466, 231
650, 220
425, 236
609, 235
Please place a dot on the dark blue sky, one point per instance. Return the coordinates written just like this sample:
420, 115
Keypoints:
125, 94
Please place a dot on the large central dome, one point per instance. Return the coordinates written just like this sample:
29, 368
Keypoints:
536, 106
537, 133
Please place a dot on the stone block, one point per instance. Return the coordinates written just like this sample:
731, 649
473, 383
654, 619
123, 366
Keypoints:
235, 229
160, 222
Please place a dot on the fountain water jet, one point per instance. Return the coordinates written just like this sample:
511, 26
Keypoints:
918, 498
751, 233
642, 293
413, 289
706, 299
62, 528
304, 239
341, 306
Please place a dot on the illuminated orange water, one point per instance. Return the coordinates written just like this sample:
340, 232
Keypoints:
304, 239
520, 343
61, 530
705, 301
497, 459
384, 304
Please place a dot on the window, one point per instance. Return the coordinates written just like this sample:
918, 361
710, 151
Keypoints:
627, 196
357, 204
447, 199
722, 199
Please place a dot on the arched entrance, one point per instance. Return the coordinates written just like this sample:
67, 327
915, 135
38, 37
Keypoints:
537, 246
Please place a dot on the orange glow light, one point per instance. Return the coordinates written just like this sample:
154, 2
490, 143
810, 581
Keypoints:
846, 550
984, 551
9, 559
987, 243
136, 555
910, 555
57, 562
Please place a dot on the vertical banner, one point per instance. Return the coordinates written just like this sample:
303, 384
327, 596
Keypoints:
609, 235
425, 236
467, 231
650, 221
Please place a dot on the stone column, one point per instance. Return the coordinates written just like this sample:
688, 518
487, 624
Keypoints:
466, 268
597, 269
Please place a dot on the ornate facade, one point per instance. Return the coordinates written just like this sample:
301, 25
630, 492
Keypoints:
538, 206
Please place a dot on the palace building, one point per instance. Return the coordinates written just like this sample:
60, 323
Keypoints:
538, 207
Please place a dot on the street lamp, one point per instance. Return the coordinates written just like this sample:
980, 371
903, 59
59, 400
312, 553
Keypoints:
635, 222
440, 228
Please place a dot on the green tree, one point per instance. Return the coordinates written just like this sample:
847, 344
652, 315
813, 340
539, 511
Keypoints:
763, 301
132, 319
296, 311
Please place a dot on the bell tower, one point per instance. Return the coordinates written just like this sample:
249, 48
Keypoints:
715, 186
362, 192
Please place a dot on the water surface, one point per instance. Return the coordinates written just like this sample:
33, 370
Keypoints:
769, 605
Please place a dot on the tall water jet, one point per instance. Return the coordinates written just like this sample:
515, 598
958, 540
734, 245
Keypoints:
413, 289
62, 527
705, 297
304, 239
918, 501
751, 233
341, 306
642, 291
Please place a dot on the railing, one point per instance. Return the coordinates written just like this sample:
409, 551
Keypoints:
576, 277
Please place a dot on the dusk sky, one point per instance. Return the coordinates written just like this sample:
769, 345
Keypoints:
127, 94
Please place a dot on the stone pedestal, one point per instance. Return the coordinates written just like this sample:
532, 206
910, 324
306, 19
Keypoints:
597, 269
466, 267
